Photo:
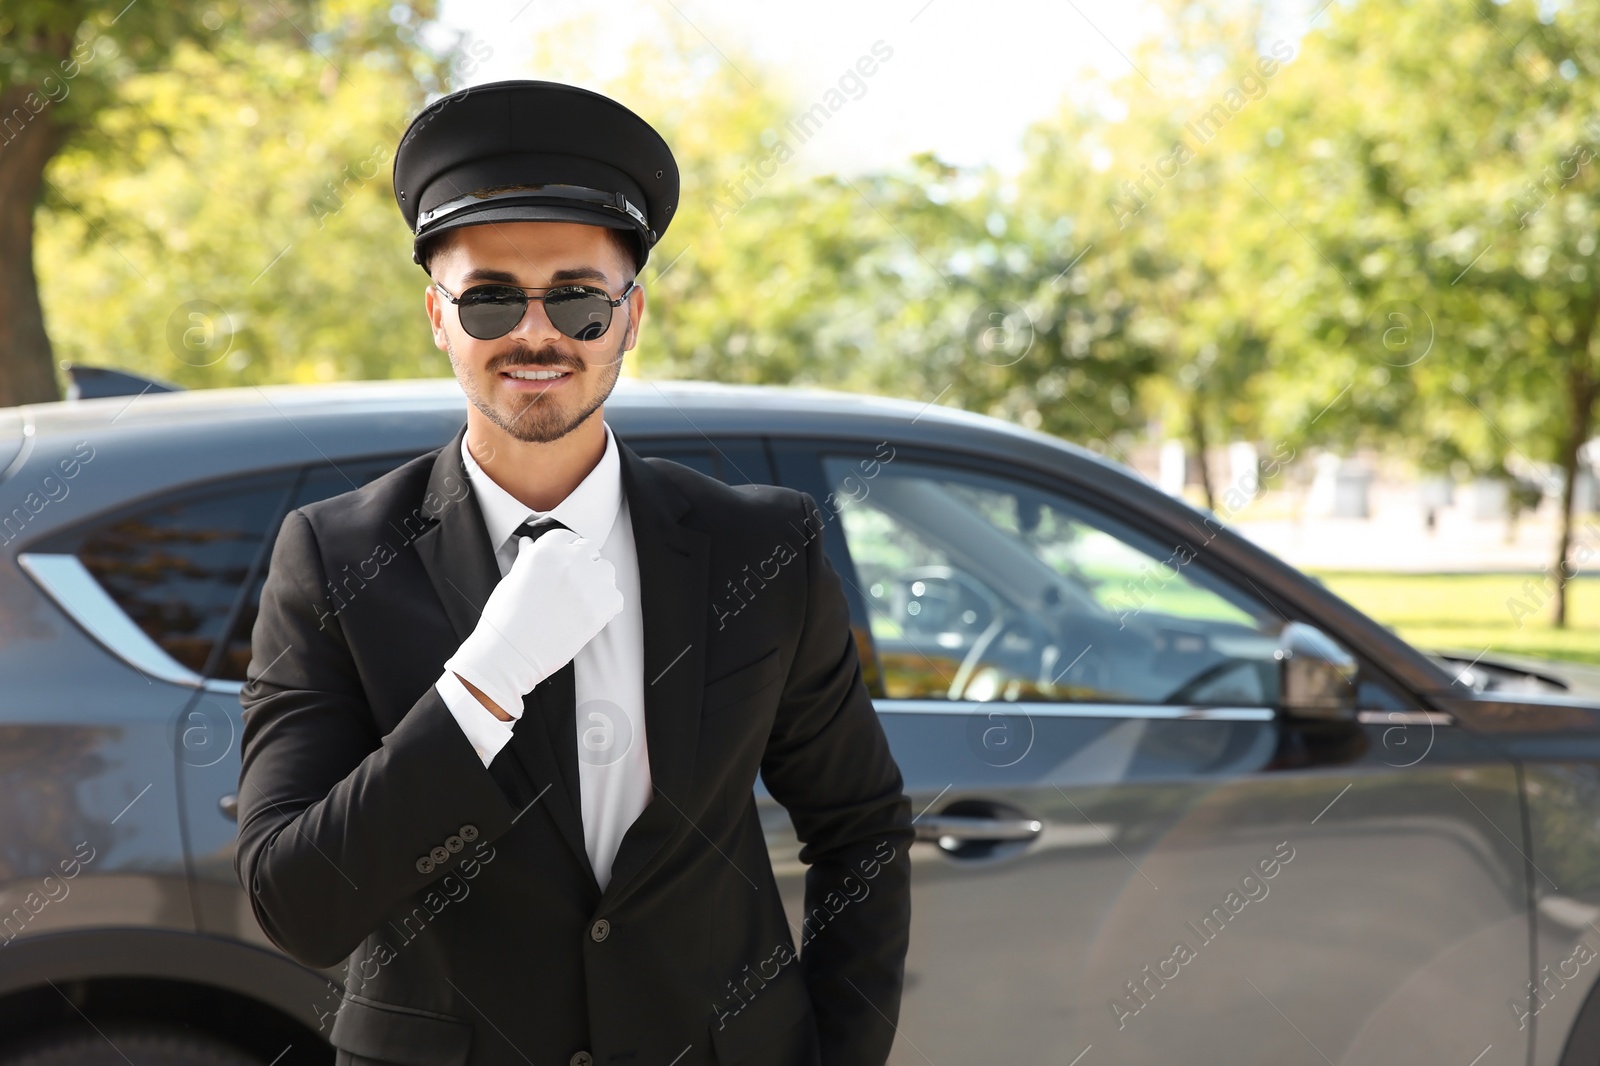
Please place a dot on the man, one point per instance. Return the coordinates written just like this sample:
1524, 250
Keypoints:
499, 748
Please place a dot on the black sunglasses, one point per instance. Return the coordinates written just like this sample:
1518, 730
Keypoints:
582, 312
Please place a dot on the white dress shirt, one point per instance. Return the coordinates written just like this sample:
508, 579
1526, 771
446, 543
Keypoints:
613, 759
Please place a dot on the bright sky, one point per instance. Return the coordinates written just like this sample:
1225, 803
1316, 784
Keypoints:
964, 80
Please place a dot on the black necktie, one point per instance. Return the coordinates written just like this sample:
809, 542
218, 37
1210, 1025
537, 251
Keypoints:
553, 703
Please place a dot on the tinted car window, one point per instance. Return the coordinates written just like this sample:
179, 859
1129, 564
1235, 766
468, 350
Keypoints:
176, 566
981, 587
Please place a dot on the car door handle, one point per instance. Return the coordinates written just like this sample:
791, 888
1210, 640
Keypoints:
230, 806
961, 828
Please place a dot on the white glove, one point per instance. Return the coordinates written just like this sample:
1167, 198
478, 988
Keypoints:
557, 595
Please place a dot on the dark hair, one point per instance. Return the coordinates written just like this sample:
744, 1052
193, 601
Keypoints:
625, 242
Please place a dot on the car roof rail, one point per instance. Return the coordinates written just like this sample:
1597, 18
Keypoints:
92, 382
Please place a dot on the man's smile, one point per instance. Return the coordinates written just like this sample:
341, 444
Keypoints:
535, 378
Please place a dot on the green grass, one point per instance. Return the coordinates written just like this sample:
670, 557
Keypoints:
1477, 611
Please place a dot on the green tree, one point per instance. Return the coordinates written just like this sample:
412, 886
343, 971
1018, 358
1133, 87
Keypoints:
1440, 155
769, 275
1165, 325
116, 133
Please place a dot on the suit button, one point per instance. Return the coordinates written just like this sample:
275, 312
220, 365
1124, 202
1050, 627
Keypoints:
469, 833
439, 856
453, 844
599, 930
424, 865
582, 1058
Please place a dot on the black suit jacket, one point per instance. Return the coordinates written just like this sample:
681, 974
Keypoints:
461, 898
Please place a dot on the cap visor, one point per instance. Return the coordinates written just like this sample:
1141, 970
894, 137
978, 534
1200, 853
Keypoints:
487, 214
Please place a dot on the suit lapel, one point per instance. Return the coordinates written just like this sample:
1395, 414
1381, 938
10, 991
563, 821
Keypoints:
460, 563
674, 571
455, 550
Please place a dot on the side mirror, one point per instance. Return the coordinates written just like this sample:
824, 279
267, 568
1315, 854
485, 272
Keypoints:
1316, 677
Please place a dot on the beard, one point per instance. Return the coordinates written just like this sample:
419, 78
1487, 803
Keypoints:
539, 419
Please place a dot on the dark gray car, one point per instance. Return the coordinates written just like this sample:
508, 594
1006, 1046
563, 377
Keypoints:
1177, 802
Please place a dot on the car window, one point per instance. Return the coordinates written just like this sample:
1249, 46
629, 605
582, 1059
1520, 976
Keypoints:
982, 587
176, 566
188, 567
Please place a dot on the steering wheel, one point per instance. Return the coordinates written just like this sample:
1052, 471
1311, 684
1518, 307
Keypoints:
932, 597
1007, 620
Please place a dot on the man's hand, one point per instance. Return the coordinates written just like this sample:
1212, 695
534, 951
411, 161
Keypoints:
557, 595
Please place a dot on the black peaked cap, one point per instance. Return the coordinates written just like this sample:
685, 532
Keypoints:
512, 151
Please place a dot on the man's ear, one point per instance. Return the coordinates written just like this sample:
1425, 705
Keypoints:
433, 303
635, 315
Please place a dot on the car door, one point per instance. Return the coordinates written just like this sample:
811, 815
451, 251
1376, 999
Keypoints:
151, 587
1129, 855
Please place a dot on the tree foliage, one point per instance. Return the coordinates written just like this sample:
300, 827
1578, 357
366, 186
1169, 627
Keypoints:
204, 160
1377, 231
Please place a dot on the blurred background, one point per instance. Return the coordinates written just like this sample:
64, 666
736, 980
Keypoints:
1324, 269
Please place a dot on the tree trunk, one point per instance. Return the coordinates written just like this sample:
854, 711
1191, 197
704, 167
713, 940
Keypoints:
1197, 436
1581, 390
28, 140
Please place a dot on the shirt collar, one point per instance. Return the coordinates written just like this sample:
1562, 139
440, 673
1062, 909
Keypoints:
589, 510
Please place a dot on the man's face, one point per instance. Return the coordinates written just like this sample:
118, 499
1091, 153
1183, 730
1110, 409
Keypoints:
536, 256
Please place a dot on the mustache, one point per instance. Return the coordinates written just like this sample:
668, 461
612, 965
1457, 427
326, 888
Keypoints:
527, 357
